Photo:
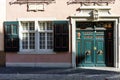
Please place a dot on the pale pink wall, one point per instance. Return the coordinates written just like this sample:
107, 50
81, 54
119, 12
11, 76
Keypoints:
2, 19
59, 10
58, 57
115, 7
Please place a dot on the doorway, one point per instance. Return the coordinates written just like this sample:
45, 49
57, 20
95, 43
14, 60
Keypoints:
94, 42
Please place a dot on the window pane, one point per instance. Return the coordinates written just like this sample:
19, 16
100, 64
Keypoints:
42, 40
42, 25
31, 26
25, 26
49, 40
32, 40
49, 26
25, 41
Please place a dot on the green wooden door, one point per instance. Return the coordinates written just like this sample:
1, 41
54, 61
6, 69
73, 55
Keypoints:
100, 48
90, 48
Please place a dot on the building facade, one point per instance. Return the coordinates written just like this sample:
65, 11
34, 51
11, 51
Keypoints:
60, 33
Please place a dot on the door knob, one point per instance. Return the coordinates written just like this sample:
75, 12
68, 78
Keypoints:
99, 52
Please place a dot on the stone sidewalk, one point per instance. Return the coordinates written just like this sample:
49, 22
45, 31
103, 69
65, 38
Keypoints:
93, 73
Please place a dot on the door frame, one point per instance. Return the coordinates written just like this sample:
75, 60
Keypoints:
116, 36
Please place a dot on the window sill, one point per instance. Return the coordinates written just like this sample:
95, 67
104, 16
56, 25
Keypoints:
36, 52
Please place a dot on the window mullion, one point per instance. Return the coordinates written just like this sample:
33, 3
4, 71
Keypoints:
36, 36
46, 35
28, 41
28, 37
20, 36
45, 40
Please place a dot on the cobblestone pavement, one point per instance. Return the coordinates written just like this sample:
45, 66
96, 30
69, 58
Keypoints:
12, 73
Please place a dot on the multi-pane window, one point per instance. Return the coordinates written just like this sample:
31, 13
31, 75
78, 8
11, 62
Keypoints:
37, 37
28, 35
45, 35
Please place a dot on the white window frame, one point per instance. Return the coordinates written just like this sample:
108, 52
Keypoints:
26, 31
36, 50
44, 31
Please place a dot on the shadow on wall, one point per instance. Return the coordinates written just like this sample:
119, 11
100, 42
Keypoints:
2, 53
79, 59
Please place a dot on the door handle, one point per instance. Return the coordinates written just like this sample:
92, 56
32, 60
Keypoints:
88, 52
99, 52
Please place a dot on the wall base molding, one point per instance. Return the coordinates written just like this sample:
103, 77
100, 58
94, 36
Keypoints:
64, 65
